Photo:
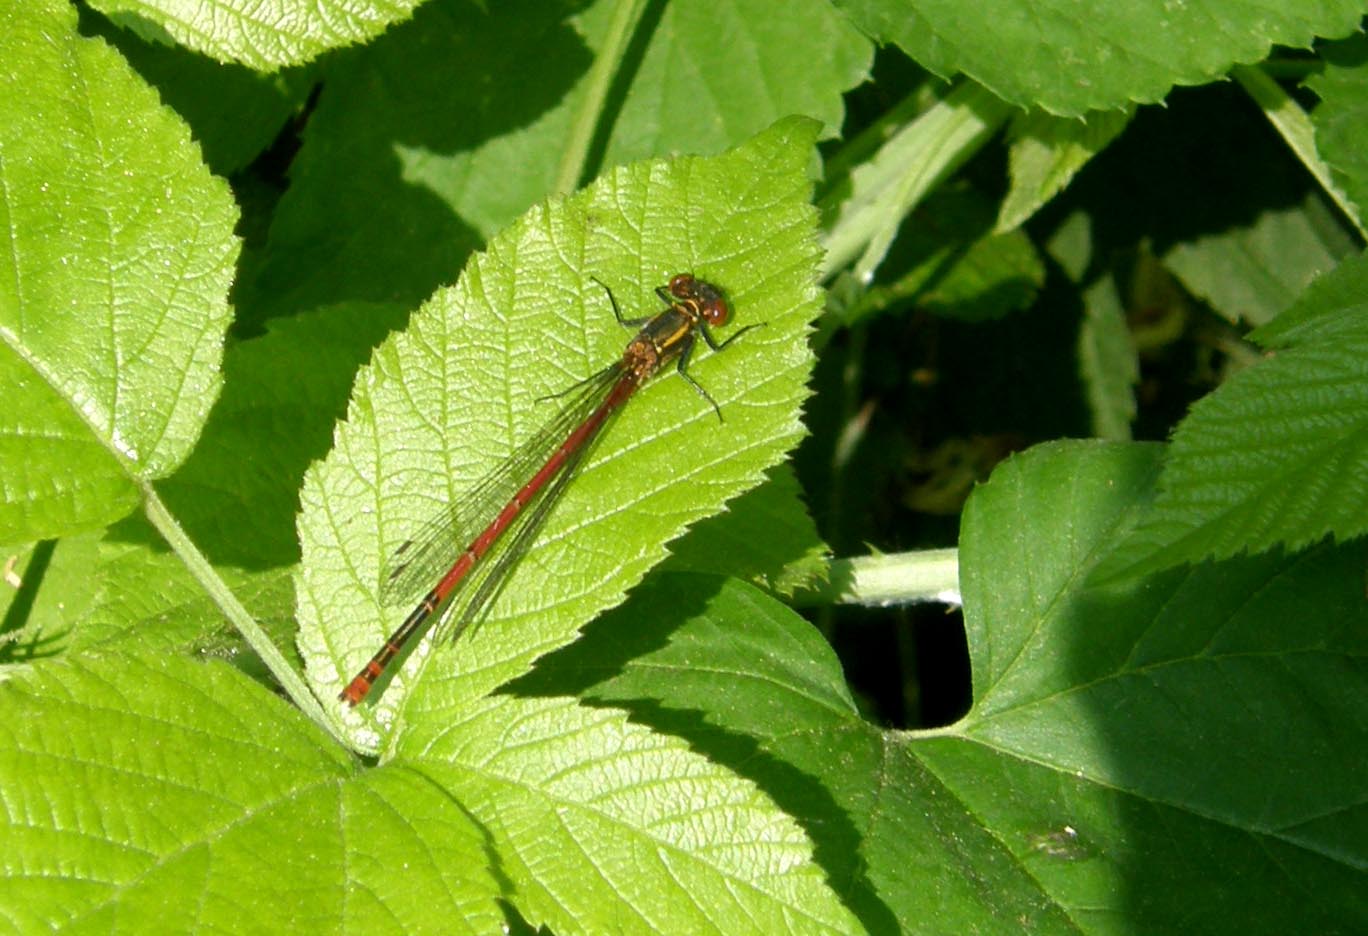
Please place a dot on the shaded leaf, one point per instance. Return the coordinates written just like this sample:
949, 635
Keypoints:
766, 536
1250, 272
1121, 740
1108, 361
235, 113
863, 213
1046, 153
1339, 119
438, 135
236, 495
648, 836
1278, 455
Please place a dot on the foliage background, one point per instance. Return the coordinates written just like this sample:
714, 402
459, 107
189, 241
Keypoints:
1092, 318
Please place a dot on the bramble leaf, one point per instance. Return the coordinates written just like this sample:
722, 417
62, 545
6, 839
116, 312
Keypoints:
1276, 456
1070, 58
449, 399
1115, 732
113, 280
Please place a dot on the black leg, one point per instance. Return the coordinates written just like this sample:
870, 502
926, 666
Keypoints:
683, 368
617, 313
712, 342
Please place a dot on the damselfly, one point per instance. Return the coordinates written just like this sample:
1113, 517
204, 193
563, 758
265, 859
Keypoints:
548, 460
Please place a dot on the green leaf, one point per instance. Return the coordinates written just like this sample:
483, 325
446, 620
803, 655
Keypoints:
113, 281
1118, 743
264, 34
1278, 455
158, 790
958, 267
447, 401
863, 213
441, 133
1108, 362
735, 68
1070, 58
649, 836
1339, 120
947, 260
154, 789
1252, 271
766, 536
1046, 153
1296, 128
234, 112
236, 495
85, 593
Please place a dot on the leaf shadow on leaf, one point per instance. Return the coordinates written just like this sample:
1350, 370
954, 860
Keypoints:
380, 207
638, 628
493, 857
15, 647
623, 79
238, 492
235, 112
1185, 715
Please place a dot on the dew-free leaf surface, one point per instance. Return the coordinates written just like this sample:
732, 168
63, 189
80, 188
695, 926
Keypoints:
113, 280
455, 394
1032, 53
265, 34
415, 155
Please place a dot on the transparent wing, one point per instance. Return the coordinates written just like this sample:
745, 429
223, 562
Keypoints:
417, 565
489, 578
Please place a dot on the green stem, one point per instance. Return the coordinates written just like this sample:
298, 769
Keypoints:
928, 575
240, 617
571, 170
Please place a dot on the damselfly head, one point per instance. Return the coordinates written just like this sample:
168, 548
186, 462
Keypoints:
704, 296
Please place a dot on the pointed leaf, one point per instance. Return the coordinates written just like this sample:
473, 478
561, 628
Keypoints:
1047, 152
451, 398
113, 280
1278, 455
